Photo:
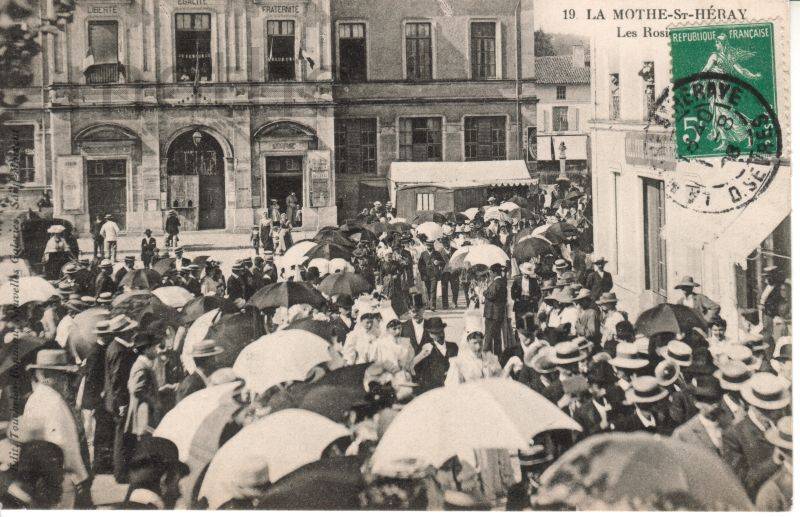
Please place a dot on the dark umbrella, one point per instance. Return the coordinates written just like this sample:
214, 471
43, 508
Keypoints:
164, 265
523, 233
560, 232
84, 277
531, 247
456, 217
196, 307
141, 279
328, 251
233, 332
669, 317
377, 228
398, 226
331, 401
425, 216
17, 354
136, 307
201, 260
328, 484
351, 284
352, 376
334, 236
321, 328
286, 294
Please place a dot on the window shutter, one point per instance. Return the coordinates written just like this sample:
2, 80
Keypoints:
577, 119
545, 121
498, 54
572, 119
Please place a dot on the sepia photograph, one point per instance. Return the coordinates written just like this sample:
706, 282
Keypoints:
441, 255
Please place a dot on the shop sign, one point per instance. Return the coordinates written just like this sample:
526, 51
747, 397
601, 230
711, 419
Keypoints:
655, 150
278, 145
318, 171
70, 168
102, 10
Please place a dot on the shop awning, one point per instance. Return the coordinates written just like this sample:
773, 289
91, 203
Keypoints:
461, 174
548, 145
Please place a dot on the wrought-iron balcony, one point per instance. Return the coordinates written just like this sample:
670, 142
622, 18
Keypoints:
105, 73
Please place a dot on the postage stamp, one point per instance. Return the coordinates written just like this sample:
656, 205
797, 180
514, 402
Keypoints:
725, 110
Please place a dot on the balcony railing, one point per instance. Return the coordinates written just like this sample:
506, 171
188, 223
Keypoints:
105, 73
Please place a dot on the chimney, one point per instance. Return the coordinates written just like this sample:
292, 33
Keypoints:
578, 56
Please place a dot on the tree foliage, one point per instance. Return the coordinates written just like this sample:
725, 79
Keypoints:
543, 44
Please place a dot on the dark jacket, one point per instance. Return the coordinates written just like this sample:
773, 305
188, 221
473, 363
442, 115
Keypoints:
598, 284
431, 371
407, 330
94, 378
121, 272
118, 363
172, 225
748, 454
104, 284
189, 385
430, 265
235, 287
528, 303
496, 300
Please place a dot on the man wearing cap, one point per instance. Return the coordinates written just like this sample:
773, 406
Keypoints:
433, 360
103, 283
702, 304
235, 285
525, 291
733, 375
119, 360
204, 355
32, 476
156, 472
745, 448
704, 429
598, 280
47, 416
172, 226
180, 261
110, 232
776, 494
130, 260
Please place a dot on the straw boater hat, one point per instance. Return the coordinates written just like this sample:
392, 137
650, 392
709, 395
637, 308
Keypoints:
642, 347
767, 391
599, 260
679, 352
627, 357
119, 324
104, 298
687, 282
53, 360
733, 375
645, 390
106, 263
56, 228
542, 362
561, 264
781, 434
582, 294
667, 372
743, 354
206, 348
607, 299
782, 352
567, 352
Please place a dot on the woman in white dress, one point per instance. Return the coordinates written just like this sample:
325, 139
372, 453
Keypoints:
471, 363
392, 351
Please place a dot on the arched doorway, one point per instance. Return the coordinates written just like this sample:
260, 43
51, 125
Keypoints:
196, 170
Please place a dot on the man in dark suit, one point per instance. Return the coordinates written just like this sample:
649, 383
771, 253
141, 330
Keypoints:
433, 360
414, 328
180, 261
204, 354
744, 446
598, 280
494, 310
155, 475
430, 266
102, 443
704, 429
599, 411
525, 292
119, 360
103, 283
235, 287
130, 260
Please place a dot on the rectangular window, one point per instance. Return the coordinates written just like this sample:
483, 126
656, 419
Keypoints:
647, 74
484, 138
355, 141
352, 53
280, 50
425, 202
482, 37
17, 159
655, 247
560, 118
613, 89
421, 139
193, 46
561, 93
103, 55
419, 65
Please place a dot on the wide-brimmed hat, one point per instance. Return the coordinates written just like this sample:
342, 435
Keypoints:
526, 268
582, 294
743, 354
70, 268
434, 324
733, 375
57, 359
121, 323
642, 346
627, 357
679, 352
767, 391
667, 372
74, 305
607, 298
104, 298
206, 348
599, 260
567, 352
56, 228
645, 390
534, 455
88, 300
160, 453
106, 263
145, 340
687, 282
781, 434
706, 388
543, 360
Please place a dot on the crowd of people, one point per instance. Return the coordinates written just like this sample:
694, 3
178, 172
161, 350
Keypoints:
107, 370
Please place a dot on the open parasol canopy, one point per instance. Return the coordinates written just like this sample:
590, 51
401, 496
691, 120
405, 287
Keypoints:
25, 290
669, 317
297, 253
519, 214
233, 332
496, 214
398, 226
531, 247
640, 471
268, 449
137, 279
486, 254
286, 294
338, 265
519, 201
507, 206
456, 420
82, 337
331, 401
347, 376
456, 261
335, 236
470, 213
351, 284
428, 216
329, 250
145, 302
328, 484
198, 306
283, 356
173, 296
557, 233
430, 230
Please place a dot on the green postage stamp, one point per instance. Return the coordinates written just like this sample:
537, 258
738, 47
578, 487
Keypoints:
724, 91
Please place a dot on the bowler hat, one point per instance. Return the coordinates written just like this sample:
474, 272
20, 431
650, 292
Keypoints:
767, 391
599, 260
345, 301
57, 359
153, 451
706, 388
702, 363
434, 324
733, 375
601, 373
121, 323
130, 258
687, 282
145, 340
